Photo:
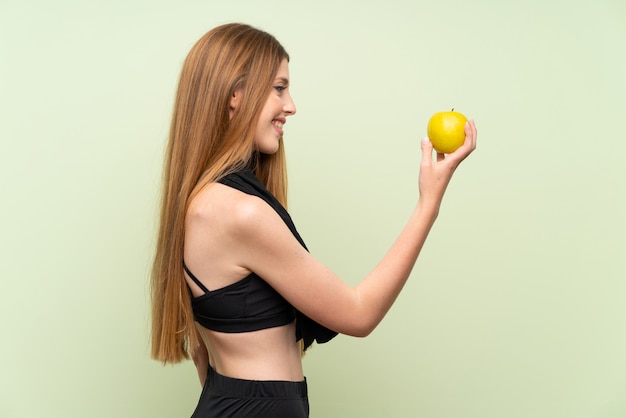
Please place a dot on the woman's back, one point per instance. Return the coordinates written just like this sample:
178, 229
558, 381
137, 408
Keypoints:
252, 330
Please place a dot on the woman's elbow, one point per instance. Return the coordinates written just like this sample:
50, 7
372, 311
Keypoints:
360, 329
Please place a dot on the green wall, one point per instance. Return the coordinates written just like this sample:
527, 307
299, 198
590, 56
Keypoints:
516, 307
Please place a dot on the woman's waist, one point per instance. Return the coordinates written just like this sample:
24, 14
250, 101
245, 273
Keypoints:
268, 354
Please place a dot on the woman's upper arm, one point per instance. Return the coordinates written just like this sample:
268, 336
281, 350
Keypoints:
270, 250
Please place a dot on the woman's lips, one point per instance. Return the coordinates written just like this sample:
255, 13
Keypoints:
278, 125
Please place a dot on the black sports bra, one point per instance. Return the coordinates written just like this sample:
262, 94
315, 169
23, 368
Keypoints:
251, 304
247, 305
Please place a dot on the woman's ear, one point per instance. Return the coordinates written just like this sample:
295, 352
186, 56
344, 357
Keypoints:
235, 100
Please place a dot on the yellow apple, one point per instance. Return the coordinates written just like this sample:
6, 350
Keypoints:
446, 131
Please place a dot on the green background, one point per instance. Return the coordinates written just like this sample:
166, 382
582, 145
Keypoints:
516, 307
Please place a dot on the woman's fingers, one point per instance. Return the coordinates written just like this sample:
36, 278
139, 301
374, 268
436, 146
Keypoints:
470, 134
468, 146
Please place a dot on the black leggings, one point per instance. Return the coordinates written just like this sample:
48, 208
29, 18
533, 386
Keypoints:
224, 396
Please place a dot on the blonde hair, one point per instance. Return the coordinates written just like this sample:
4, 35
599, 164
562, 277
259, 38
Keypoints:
206, 143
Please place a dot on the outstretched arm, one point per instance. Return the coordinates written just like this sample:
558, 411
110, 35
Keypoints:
381, 287
273, 253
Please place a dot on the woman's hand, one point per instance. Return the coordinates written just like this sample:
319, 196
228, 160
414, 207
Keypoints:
436, 174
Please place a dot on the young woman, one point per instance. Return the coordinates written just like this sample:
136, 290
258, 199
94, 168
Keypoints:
233, 285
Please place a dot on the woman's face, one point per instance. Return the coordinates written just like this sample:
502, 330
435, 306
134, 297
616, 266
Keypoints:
278, 106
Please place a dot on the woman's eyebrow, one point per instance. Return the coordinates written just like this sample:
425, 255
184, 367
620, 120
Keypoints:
283, 80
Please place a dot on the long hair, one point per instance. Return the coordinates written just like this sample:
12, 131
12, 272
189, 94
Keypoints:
206, 143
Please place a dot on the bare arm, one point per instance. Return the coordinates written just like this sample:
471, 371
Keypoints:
381, 287
273, 253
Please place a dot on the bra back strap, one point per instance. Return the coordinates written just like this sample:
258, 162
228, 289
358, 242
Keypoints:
195, 279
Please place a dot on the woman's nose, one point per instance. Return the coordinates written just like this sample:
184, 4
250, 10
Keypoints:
289, 107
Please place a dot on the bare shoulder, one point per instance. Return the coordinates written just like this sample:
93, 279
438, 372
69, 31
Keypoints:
220, 205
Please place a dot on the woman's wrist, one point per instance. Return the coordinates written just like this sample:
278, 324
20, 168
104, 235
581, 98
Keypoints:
428, 206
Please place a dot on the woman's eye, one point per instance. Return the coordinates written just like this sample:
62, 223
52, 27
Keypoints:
280, 89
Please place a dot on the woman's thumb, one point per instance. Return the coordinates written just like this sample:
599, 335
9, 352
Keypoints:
427, 150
